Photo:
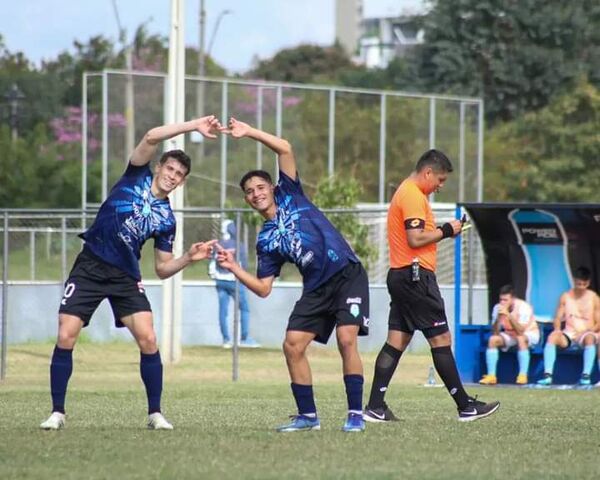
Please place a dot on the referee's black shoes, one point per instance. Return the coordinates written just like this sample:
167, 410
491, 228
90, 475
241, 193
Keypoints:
476, 410
379, 415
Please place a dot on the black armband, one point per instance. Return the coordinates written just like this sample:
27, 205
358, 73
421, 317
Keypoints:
447, 230
414, 223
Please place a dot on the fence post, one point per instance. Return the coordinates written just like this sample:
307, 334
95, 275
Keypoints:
4, 299
63, 248
236, 303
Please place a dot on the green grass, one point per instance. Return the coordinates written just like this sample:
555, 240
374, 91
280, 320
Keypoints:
225, 429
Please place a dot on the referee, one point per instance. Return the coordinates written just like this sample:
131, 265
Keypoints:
416, 303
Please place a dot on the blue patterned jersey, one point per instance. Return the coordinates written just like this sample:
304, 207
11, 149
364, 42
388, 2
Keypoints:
129, 216
302, 235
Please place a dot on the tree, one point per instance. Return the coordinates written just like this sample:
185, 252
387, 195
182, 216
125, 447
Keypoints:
335, 192
548, 156
516, 54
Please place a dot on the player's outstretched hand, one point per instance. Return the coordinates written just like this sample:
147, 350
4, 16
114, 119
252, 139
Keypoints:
208, 126
201, 250
225, 257
235, 128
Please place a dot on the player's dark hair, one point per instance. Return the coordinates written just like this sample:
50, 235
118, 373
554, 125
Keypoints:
582, 273
255, 173
507, 290
178, 155
435, 159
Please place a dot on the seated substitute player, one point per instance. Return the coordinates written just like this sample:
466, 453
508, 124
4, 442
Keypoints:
579, 308
416, 302
136, 209
336, 287
513, 324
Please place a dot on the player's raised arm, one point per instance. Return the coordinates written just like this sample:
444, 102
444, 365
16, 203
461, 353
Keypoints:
148, 146
261, 286
166, 265
283, 149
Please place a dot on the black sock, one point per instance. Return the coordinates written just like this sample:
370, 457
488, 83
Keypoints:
443, 359
61, 368
385, 366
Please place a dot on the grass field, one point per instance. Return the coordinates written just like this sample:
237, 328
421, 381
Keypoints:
225, 429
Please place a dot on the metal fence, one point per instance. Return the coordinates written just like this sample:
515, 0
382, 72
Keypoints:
375, 136
39, 247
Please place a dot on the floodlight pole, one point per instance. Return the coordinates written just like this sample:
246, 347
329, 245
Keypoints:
175, 113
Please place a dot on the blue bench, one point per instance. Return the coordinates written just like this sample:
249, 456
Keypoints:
471, 358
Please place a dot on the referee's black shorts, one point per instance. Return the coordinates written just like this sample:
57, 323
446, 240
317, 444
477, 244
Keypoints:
341, 300
91, 280
416, 305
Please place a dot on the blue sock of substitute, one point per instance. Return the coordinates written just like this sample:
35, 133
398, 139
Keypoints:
305, 400
549, 358
589, 355
151, 370
523, 357
491, 359
61, 367
354, 392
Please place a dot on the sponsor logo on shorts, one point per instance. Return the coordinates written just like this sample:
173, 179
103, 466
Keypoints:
307, 258
366, 321
334, 257
140, 286
354, 300
354, 310
453, 391
438, 324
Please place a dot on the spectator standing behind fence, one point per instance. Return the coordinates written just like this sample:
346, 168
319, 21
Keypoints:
225, 283
513, 324
579, 309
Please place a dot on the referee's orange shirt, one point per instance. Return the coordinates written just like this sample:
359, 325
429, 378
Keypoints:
410, 203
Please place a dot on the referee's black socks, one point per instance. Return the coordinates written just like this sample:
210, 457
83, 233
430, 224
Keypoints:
385, 366
443, 359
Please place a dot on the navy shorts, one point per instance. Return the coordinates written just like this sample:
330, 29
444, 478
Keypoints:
91, 280
341, 300
416, 305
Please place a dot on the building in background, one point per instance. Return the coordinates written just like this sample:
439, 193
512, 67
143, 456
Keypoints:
374, 42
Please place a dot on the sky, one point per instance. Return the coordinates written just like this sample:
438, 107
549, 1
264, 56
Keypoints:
41, 29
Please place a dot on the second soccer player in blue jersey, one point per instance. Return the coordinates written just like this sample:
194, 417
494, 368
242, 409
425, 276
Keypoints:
336, 287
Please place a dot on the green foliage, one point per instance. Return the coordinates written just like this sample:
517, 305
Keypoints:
548, 156
517, 54
335, 192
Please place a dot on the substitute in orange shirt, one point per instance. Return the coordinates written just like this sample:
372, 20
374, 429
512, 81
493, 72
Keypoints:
416, 302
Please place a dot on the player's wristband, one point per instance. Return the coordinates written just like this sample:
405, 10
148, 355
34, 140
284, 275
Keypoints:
447, 230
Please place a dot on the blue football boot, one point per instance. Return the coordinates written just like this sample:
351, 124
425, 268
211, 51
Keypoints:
354, 423
299, 423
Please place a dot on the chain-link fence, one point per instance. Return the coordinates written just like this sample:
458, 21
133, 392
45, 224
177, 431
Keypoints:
39, 248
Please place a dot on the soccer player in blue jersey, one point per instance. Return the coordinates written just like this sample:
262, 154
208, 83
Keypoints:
336, 287
136, 209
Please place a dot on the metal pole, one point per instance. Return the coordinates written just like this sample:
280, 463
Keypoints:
84, 141
457, 288
224, 113
200, 87
278, 126
63, 248
331, 140
259, 125
104, 135
461, 155
470, 277
480, 127
236, 303
32, 254
382, 126
432, 132
4, 298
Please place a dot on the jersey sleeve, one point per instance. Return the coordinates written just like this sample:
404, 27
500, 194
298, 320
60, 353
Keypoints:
269, 264
136, 170
414, 211
288, 185
164, 240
